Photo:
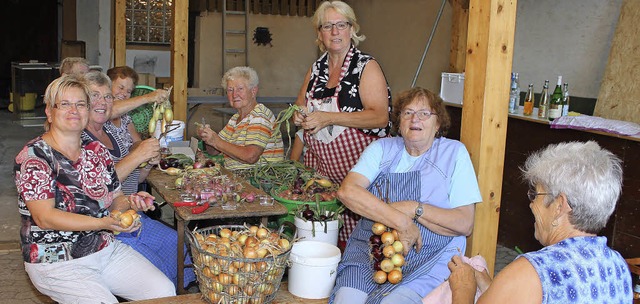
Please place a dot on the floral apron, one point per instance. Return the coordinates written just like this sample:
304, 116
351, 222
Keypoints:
356, 271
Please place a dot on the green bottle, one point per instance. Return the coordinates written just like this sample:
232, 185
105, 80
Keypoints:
555, 106
543, 105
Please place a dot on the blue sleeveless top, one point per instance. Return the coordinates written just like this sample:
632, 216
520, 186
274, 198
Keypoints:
582, 270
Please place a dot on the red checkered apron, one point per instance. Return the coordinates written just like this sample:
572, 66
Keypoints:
334, 150
334, 160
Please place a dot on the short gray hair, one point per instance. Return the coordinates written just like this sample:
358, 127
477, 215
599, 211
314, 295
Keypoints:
97, 78
66, 66
244, 72
590, 177
344, 10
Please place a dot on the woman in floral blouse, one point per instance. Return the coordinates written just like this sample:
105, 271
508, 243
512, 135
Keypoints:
67, 189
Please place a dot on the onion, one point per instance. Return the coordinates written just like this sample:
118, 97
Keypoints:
397, 260
397, 246
262, 233
387, 238
376, 265
395, 276
224, 279
225, 232
378, 228
284, 244
388, 251
126, 220
380, 277
375, 240
386, 265
250, 253
251, 241
377, 253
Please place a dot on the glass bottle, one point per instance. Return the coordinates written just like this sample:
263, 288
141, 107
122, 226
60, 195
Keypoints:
555, 105
565, 99
543, 105
528, 101
514, 94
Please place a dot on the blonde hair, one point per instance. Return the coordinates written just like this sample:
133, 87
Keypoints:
58, 87
342, 9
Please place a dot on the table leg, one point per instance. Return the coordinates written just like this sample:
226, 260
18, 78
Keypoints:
264, 220
180, 226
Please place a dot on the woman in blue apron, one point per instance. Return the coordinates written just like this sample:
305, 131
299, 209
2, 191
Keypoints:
421, 184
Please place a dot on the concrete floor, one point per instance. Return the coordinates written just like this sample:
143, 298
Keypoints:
15, 287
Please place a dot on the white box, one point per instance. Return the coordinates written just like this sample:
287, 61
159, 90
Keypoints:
187, 148
452, 87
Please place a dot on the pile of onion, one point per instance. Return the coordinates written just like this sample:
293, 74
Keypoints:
387, 254
243, 273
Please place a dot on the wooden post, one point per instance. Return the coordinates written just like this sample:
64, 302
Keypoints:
120, 34
179, 47
484, 114
459, 22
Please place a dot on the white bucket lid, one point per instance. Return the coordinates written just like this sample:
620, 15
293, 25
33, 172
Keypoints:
312, 253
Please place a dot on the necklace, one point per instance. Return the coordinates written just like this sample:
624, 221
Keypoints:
69, 153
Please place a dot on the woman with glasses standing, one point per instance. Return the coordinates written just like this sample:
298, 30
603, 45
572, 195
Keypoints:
156, 241
574, 190
421, 184
67, 189
346, 97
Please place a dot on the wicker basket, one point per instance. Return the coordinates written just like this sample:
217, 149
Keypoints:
225, 279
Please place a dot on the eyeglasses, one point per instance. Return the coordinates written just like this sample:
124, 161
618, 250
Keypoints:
95, 96
532, 194
340, 25
422, 115
66, 106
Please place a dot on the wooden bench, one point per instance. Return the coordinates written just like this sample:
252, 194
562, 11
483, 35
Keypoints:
282, 296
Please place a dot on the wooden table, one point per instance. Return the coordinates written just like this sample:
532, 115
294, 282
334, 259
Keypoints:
164, 185
282, 296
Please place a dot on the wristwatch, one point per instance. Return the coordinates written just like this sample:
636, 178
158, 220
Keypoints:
418, 213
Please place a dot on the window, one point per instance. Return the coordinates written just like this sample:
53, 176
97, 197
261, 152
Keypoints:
149, 21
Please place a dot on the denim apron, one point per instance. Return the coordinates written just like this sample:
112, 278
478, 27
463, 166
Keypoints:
356, 269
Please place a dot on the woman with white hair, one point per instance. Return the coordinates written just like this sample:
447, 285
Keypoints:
248, 136
574, 190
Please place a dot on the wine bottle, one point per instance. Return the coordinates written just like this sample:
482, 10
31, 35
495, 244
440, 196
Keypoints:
528, 101
543, 105
514, 94
555, 106
565, 99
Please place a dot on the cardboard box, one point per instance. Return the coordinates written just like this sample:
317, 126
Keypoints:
187, 148
452, 87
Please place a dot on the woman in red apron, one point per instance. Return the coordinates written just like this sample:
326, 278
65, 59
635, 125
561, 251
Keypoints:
346, 99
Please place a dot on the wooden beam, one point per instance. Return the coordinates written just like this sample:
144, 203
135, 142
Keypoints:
459, 23
120, 34
179, 47
484, 114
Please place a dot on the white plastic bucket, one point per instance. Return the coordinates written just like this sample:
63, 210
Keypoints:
314, 231
176, 132
313, 269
